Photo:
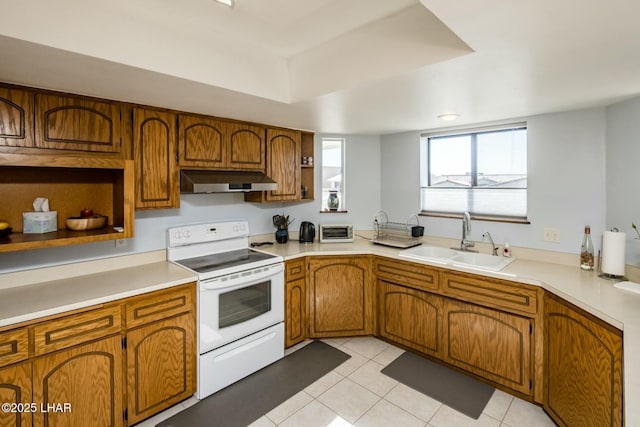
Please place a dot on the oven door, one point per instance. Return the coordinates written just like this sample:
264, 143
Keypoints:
239, 304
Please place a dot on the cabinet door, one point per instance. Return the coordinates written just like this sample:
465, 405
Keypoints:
341, 299
88, 377
489, 343
161, 363
411, 317
283, 163
246, 146
16, 117
74, 123
201, 142
583, 367
295, 322
15, 387
157, 180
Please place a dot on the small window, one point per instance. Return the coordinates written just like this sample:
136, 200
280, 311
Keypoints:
333, 174
481, 171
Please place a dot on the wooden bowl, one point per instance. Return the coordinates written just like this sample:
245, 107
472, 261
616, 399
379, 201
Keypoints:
89, 223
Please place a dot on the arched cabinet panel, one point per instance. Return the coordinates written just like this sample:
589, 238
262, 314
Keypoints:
157, 181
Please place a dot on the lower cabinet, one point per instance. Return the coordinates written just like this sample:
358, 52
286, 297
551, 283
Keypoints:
583, 367
15, 388
295, 316
411, 317
341, 300
160, 366
489, 343
80, 370
86, 379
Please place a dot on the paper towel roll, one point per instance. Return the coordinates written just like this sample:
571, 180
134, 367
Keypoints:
613, 246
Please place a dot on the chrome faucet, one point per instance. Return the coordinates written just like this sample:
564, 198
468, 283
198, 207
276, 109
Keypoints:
466, 228
493, 245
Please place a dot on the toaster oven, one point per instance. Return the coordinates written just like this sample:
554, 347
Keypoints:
333, 233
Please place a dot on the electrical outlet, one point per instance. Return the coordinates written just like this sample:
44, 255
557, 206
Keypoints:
551, 235
121, 243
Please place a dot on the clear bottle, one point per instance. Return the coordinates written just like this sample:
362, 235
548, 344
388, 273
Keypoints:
586, 250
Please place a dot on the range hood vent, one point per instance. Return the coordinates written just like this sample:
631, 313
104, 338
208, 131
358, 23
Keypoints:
203, 181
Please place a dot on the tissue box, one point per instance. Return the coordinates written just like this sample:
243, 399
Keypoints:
39, 222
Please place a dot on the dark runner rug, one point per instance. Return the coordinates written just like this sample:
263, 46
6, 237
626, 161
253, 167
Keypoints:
456, 390
245, 401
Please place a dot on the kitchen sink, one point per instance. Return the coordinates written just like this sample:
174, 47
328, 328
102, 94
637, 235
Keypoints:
429, 252
487, 262
459, 258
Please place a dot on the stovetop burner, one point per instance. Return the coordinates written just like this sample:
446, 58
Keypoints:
223, 260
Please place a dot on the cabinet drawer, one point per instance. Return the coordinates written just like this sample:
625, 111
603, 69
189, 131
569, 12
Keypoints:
407, 273
491, 292
76, 329
14, 346
159, 305
294, 270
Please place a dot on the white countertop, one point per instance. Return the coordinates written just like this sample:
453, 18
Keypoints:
25, 296
28, 302
583, 288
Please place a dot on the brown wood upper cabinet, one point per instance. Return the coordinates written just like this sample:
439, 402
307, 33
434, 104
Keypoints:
16, 117
206, 142
78, 123
583, 367
154, 145
283, 166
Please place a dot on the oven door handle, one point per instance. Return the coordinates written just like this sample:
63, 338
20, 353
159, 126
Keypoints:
218, 283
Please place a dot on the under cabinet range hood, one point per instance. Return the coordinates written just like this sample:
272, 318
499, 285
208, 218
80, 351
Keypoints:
204, 181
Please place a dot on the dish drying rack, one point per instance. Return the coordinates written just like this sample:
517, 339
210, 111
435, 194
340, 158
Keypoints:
397, 234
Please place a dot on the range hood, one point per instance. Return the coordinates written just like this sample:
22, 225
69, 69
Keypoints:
203, 181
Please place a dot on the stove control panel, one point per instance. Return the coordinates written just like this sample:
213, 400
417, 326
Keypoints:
207, 232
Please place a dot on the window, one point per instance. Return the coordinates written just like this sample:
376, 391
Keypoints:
482, 171
333, 172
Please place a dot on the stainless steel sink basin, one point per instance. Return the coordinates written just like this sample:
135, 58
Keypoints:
463, 259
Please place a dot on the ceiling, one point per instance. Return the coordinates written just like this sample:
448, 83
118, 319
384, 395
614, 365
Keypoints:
332, 66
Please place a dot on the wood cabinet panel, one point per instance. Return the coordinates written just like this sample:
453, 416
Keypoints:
73, 330
295, 322
408, 273
159, 305
489, 343
89, 377
502, 294
202, 142
16, 117
294, 269
411, 317
154, 140
15, 387
246, 146
583, 367
283, 166
74, 123
161, 361
14, 346
341, 296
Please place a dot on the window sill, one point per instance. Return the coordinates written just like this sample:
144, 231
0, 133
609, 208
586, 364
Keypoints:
329, 211
477, 217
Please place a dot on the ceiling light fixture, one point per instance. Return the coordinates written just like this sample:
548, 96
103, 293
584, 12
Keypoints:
448, 116
229, 3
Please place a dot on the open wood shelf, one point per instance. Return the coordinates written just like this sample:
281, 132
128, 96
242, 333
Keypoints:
70, 184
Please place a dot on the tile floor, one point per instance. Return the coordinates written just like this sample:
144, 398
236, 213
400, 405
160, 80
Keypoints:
357, 394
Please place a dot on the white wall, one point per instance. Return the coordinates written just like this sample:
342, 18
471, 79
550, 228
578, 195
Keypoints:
566, 182
623, 173
362, 158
